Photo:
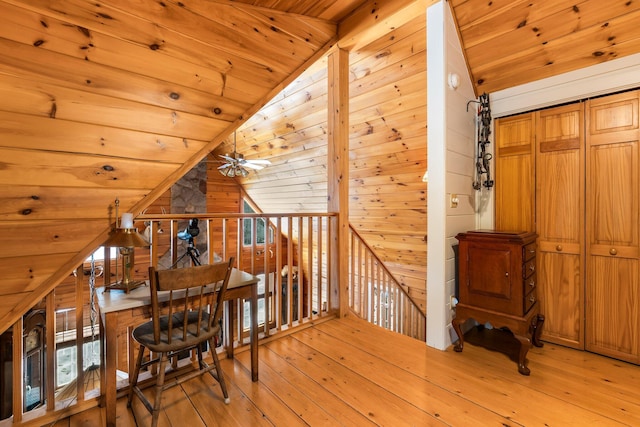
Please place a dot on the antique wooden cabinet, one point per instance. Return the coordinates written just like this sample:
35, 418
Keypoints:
497, 284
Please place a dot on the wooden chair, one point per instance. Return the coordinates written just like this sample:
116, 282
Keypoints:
189, 318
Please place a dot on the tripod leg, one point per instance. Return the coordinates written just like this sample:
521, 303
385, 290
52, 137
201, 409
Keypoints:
178, 260
194, 259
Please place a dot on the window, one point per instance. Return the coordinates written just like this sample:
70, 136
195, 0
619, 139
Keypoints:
248, 229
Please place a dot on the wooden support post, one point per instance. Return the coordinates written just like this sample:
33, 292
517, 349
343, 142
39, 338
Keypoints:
338, 176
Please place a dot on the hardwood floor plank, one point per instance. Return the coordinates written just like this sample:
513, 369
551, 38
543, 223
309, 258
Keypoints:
414, 389
273, 411
309, 411
499, 387
96, 417
299, 386
124, 416
205, 395
179, 411
379, 405
350, 373
610, 393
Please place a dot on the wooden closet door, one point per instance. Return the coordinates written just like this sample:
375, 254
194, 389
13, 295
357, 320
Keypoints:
515, 173
560, 222
613, 191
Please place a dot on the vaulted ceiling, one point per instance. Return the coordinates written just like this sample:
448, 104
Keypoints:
119, 98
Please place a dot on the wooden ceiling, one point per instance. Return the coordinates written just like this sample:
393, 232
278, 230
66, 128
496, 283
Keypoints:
508, 43
120, 98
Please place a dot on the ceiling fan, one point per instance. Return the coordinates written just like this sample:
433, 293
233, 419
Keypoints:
236, 164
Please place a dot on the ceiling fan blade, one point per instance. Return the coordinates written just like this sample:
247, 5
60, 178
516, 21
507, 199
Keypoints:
260, 162
252, 166
226, 165
227, 158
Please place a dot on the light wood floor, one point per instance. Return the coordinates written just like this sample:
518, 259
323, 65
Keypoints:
346, 372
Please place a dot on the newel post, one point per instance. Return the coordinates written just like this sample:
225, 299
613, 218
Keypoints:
338, 175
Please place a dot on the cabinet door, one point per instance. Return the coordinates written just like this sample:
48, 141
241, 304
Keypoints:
515, 189
492, 279
560, 222
612, 295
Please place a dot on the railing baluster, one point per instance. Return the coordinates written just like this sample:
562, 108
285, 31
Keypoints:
375, 295
79, 333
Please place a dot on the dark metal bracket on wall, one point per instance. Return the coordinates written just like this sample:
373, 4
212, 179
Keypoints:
483, 158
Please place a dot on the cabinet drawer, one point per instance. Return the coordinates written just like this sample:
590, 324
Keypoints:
530, 300
529, 251
530, 284
529, 268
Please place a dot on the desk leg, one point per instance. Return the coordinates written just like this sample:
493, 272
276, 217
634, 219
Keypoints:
254, 333
228, 339
110, 354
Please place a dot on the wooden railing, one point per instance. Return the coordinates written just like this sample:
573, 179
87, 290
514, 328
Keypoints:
266, 245
376, 296
263, 244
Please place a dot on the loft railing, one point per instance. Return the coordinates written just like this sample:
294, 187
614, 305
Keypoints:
263, 244
376, 296
266, 245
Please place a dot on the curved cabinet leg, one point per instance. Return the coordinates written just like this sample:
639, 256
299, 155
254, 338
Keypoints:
536, 330
525, 345
460, 344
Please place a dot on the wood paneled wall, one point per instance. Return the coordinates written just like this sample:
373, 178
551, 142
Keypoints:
387, 154
388, 151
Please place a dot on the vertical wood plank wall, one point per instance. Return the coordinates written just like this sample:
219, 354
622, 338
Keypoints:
387, 150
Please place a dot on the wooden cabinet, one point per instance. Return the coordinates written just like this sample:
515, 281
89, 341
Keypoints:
497, 284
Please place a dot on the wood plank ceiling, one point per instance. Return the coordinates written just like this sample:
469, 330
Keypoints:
114, 98
508, 43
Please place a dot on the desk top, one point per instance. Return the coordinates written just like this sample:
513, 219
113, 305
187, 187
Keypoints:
117, 300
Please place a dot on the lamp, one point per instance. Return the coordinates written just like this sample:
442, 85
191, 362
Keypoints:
126, 238
234, 170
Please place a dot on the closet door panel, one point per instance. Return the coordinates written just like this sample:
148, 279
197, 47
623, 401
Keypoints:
612, 307
515, 174
561, 298
613, 249
560, 222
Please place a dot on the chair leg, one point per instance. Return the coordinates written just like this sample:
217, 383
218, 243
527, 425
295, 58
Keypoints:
133, 379
159, 385
220, 376
199, 353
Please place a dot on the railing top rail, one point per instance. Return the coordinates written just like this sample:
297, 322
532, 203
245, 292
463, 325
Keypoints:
213, 215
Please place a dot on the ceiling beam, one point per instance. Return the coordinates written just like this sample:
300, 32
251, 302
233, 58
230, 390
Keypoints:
374, 19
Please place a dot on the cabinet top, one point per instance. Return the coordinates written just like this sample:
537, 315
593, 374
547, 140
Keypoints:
514, 236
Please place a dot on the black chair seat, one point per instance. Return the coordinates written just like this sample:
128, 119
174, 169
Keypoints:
144, 334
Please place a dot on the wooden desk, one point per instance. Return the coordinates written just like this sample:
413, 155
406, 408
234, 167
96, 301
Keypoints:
121, 312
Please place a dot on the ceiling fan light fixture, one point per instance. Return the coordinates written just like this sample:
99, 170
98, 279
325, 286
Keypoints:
236, 164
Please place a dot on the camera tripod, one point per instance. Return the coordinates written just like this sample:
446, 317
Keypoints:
192, 252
